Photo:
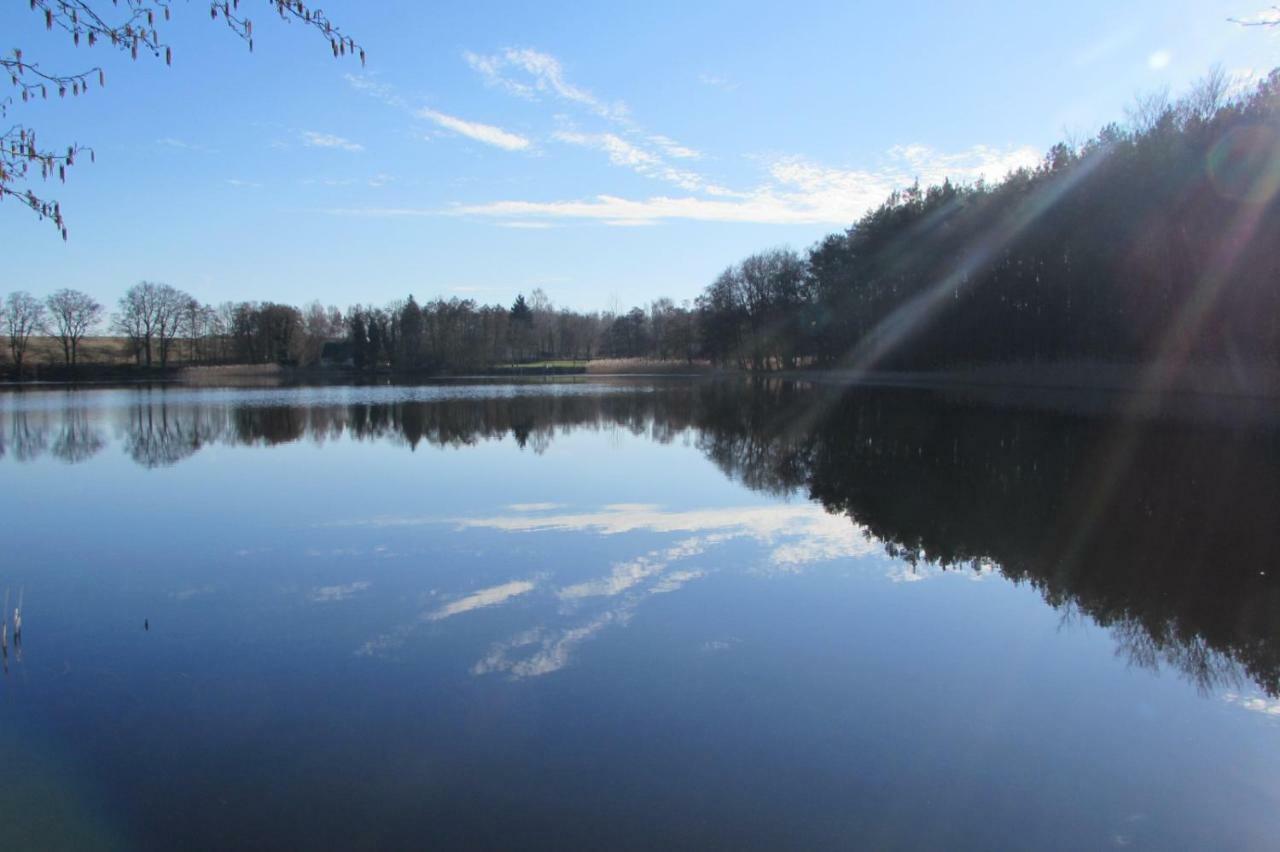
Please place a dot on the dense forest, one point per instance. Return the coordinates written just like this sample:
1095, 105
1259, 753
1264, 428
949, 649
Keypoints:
1152, 241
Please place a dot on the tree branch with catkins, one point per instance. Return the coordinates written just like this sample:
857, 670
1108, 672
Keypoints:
129, 25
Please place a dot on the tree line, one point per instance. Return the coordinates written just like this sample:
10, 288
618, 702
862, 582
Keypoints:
162, 326
1152, 241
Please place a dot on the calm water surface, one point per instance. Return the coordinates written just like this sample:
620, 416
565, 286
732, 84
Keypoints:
634, 614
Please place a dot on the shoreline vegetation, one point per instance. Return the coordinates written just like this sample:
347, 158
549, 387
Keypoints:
1140, 260
1125, 380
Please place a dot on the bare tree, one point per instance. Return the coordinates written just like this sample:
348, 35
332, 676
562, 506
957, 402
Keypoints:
127, 25
1148, 109
72, 314
197, 327
139, 318
23, 315
1207, 95
171, 310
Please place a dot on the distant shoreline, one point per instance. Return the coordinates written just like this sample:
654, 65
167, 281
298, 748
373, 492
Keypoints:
1244, 381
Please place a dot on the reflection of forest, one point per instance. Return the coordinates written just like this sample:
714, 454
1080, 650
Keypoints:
1162, 530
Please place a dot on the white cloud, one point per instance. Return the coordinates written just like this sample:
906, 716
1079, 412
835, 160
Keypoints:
381, 91
491, 596
244, 184
716, 81
529, 73
486, 133
313, 139
797, 192
628, 154
674, 148
1159, 60
173, 142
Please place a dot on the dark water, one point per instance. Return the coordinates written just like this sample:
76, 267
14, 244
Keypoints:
635, 615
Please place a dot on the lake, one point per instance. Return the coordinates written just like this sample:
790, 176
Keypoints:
637, 614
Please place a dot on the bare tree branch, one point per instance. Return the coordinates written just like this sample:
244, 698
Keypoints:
134, 30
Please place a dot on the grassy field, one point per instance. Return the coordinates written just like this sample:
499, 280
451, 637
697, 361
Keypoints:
92, 350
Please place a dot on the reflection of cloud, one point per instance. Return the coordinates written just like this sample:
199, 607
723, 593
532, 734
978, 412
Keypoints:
491, 596
1257, 704
330, 594
188, 594
552, 648
794, 535
673, 581
799, 534
627, 574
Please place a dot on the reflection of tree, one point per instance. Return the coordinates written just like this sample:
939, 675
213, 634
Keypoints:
270, 425
28, 435
1162, 531
77, 439
158, 436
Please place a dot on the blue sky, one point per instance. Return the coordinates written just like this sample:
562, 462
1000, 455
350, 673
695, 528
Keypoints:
609, 156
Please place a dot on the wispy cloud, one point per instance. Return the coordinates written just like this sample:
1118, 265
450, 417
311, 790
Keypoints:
375, 89
314, 139
486, 133
796, 191
244, 184
674, 148
480, 132
182, 144
530, 73
717, 81
628, 154
526, 226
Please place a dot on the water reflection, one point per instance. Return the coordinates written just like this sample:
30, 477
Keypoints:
1161, 529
